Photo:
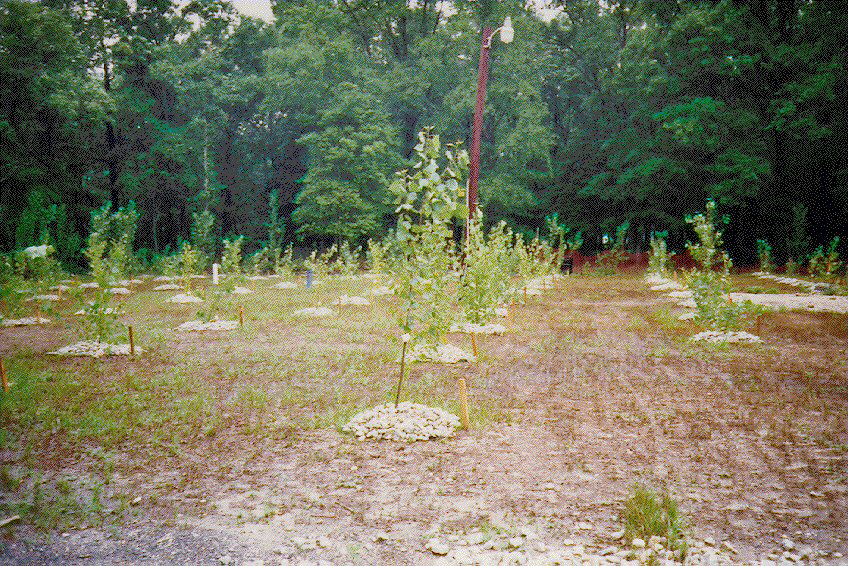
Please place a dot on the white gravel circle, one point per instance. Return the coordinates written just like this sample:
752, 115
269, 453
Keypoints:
408, 422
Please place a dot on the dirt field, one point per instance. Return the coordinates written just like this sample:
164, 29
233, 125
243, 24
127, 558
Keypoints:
224, 448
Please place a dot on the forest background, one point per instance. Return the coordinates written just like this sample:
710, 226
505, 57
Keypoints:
631, 111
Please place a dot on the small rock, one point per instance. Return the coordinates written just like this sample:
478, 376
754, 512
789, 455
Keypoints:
539, 546
608, 550
225, 560
787, 544
516, 542
638, 543
618, 535
729, 547
709, 541
437, 547
476, 538
324, 542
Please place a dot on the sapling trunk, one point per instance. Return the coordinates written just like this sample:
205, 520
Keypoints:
4, 376
132, 341
400, 377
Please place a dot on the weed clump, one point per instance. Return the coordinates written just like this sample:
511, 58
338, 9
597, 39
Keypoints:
648, 514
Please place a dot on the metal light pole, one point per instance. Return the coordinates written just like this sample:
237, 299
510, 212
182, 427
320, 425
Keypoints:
507, 34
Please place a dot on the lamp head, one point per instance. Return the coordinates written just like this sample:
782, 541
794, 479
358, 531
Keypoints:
507, 33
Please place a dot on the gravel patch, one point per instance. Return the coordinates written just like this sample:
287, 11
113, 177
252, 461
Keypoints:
89, 286
44, 298
315, 311
241, 291
472, 328
716, 336
214, 325
355, 301
407, 422
118, 291
382, 290
167, 287
164, 278
83, 312
95, 349
285, 285
26, 321
182, 298
443, 354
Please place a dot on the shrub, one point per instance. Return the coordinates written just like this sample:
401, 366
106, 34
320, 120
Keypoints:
231, 262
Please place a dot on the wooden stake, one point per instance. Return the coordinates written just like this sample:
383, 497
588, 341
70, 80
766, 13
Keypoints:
463, 404
474, 343
132, 341
241, 315
759, 319
525, 294
4, 377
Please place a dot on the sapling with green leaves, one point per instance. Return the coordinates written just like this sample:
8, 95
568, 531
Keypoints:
764, 254
484, 281
823, 264
375, 256
659, 258
428, 201
710, 280
188, 259
609, 261
347, 260
231, 263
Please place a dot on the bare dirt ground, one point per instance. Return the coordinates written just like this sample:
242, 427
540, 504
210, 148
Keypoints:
602, 391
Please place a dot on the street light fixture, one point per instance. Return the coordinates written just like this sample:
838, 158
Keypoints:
507, 34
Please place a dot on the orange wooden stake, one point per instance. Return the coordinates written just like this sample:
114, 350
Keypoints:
241, 315
474, 343
132, 342
4, 376
463, 404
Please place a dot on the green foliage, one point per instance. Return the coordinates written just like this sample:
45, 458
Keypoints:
764, 253
203, 237
823, 264
231, 262
188, 260
347, 260
648, 514
607, 262
485, 277
110, 242
427, 199
659, 258
375, 256
710, 281
798, 242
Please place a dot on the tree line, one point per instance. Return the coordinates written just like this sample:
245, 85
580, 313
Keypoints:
630, 112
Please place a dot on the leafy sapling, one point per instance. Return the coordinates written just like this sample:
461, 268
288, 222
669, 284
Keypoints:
427, 199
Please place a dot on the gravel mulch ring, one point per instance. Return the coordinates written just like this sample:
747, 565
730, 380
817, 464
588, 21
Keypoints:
315, 311
95, 349
443, 354
89, 286
214, 325
355, 301
164, 278
285, 285
182, 298
380, 291
471, 328
44, 298
241, 291
167, 287
119, 291
83, 312
407, 422
26, 321
716, 336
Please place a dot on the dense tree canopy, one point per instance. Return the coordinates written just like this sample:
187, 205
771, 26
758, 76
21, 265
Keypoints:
621, 111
